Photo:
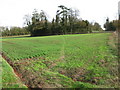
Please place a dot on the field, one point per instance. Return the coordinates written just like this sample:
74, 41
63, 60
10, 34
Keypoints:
74, 61
9, 79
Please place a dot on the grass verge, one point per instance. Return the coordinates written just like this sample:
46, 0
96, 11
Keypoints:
9, 78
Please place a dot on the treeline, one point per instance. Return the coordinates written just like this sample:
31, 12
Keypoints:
111, 25
66, 21
13, 31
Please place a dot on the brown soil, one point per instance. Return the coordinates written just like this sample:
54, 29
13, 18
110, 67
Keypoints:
17, 70
31, 78
34, 79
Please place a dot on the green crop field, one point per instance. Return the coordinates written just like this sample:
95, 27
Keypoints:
78, 61
9, 79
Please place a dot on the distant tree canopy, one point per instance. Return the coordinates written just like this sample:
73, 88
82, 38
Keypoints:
13, 31
116, 23
110, 26
66, 21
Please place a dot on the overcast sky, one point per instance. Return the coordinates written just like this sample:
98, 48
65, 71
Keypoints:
13, 11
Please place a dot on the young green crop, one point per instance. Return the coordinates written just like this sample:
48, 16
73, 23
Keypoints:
9, 79
81, 57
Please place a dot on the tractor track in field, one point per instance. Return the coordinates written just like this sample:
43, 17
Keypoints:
8, 42
14, 69
27, 77
78, 74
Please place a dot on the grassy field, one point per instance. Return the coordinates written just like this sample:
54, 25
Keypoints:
80, 60
9, 79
